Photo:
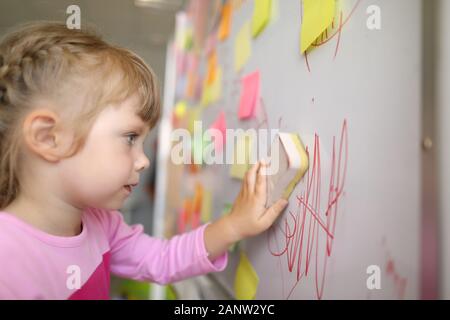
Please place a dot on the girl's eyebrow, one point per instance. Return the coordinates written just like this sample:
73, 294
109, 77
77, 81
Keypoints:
138, 128
136, 124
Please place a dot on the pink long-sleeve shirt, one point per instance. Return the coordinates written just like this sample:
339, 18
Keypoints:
36, 265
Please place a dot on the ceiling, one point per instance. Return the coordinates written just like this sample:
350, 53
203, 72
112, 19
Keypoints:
144, 30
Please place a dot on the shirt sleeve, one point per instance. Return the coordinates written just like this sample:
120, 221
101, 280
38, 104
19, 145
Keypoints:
136, 255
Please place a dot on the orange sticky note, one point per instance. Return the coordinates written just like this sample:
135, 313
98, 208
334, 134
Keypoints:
197, 206
225, 22
249, 95
212, 68
221, 126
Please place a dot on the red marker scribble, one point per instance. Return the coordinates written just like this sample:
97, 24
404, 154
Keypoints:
399, 281
394, 275
302, 230
326, 37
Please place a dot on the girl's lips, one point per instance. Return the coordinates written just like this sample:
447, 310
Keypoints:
127, 189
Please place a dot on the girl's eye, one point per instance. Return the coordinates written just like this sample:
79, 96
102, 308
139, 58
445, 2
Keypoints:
133, 140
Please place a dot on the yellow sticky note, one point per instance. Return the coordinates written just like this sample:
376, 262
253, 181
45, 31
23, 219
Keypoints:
242, 47
246, 281
180, 109
194, 114
225, 22
212, 92
261, 16
317, 17
241, 156
216, 87
206, 206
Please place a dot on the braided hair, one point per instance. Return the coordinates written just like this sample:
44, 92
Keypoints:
46, 60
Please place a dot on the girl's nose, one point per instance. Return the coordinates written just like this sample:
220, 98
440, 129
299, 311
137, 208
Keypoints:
142, 163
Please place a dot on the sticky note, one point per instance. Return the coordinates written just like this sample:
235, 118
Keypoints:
180, 109
206, 206
241, 156
242, 47
212, 92
194, 114
198, 143
318, 15
185, 215
261, 16
212, 67
216, 86
225, 22
220, 125
288, 164
246, 281
250, 93
197, 206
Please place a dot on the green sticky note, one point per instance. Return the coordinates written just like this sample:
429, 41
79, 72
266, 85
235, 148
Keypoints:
246, 280
261, 16
318, 15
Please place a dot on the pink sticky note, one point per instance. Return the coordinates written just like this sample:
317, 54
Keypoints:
221, 125
249, 95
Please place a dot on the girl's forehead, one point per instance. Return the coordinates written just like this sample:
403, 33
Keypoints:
122, 114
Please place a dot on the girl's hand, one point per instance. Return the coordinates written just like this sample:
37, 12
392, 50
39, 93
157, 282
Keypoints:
247, 218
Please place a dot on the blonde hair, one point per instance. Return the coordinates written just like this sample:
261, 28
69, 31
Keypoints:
45, 60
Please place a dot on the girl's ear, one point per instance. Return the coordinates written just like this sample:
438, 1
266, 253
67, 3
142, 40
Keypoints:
44, 135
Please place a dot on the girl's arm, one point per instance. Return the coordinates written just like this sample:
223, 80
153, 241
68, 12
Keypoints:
248, 216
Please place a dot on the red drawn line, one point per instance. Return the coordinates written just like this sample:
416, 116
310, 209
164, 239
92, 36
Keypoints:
340, 27
339, 37
301, 232
328, 38
307, 62
314, 214
399, 282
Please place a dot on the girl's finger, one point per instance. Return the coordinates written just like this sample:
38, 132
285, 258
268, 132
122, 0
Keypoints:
271, 214
251, 177
261, 180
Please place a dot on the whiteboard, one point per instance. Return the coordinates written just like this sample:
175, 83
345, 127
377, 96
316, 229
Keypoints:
356, 103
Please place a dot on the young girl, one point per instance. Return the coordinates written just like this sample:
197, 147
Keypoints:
74, 113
